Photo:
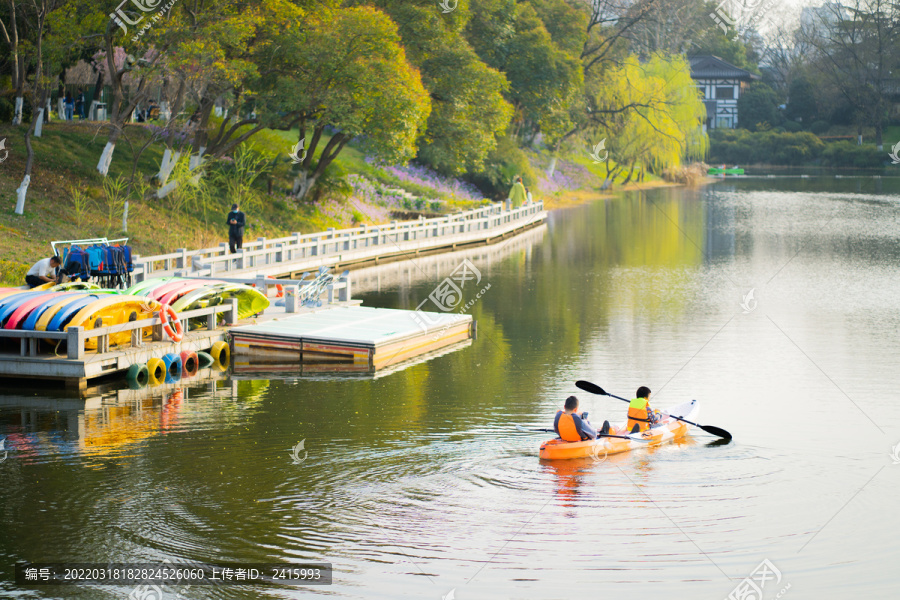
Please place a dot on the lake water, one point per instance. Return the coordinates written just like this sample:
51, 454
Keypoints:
417, 484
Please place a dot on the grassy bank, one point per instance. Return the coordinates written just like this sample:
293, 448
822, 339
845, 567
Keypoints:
68, 199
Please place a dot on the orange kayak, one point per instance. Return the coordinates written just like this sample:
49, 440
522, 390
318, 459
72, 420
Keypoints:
667, 430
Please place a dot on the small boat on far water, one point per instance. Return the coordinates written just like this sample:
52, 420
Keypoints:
725, 171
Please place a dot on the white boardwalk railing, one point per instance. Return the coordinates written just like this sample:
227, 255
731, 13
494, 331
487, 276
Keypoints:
300, 252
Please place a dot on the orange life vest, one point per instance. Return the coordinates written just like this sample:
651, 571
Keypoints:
639, 414
565, 427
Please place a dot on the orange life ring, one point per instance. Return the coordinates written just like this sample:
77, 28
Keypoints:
170, 323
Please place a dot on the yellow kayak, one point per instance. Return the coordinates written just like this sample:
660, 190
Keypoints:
115, 310
48, 314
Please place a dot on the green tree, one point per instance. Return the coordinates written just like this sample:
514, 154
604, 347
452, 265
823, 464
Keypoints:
348, 72
468, 107
649, 113
803, 101
758, 105
544, 80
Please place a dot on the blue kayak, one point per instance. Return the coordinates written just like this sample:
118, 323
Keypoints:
39, 310
65, 314
9, 305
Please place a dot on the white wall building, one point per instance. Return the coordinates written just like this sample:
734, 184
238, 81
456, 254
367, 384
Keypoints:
721, 84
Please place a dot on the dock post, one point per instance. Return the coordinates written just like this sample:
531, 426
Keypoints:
291, 294
344, 292
231, 315
137, 338
240, 259
75, 343
262, 285
181, 262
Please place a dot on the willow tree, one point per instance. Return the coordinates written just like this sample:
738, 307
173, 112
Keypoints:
345, 74
650, 113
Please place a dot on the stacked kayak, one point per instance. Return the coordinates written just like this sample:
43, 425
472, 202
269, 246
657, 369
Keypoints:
56, 307
250, 301
667, 430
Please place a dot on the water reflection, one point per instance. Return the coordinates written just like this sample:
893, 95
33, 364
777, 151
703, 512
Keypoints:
422, 471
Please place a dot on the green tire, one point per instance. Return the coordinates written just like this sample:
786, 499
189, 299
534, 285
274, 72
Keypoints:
137, 376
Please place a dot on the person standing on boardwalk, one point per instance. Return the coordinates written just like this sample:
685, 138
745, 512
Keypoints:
236, 223
517, 194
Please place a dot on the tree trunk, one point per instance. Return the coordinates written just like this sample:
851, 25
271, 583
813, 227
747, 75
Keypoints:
39, 122
22, 190
17, 115
552, 168
879, 142
303, 184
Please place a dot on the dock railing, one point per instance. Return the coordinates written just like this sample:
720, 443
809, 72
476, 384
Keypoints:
339, 246
295, 291
75, 337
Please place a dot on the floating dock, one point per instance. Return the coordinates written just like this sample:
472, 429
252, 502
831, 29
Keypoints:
358, 337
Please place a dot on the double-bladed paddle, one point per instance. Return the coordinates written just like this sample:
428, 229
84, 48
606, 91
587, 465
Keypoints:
599, 435
593, 388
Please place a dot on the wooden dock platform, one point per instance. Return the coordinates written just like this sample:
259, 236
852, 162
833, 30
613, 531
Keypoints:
371, 338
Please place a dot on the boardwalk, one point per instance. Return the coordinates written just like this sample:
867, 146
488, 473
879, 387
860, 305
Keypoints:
293, 255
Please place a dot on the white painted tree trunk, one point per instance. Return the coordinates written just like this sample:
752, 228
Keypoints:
168, 163
61, 107
302, 185
17, 115
20, 194
552, 168
166, 189
92, 113
39, 123
61, 116
125, 218
196, 160
106, 158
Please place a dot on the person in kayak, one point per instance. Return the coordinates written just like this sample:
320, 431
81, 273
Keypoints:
573, 428
640, 416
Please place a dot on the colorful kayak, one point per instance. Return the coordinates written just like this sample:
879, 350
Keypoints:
250, 301
10, 303
60, 320
144, 287
115, 310
71, 286
25, 306
44, 321
169, 294
37, 312
667, 430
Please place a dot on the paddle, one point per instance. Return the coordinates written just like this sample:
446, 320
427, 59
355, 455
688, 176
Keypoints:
593, 388
599, 435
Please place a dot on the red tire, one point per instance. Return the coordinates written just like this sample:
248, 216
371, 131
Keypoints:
170, 323
190, 364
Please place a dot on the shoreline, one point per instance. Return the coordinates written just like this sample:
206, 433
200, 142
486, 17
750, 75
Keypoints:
582, 196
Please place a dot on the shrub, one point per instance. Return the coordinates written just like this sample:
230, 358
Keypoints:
848, 154
793, 126
12, 273
763, 147
819, 127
